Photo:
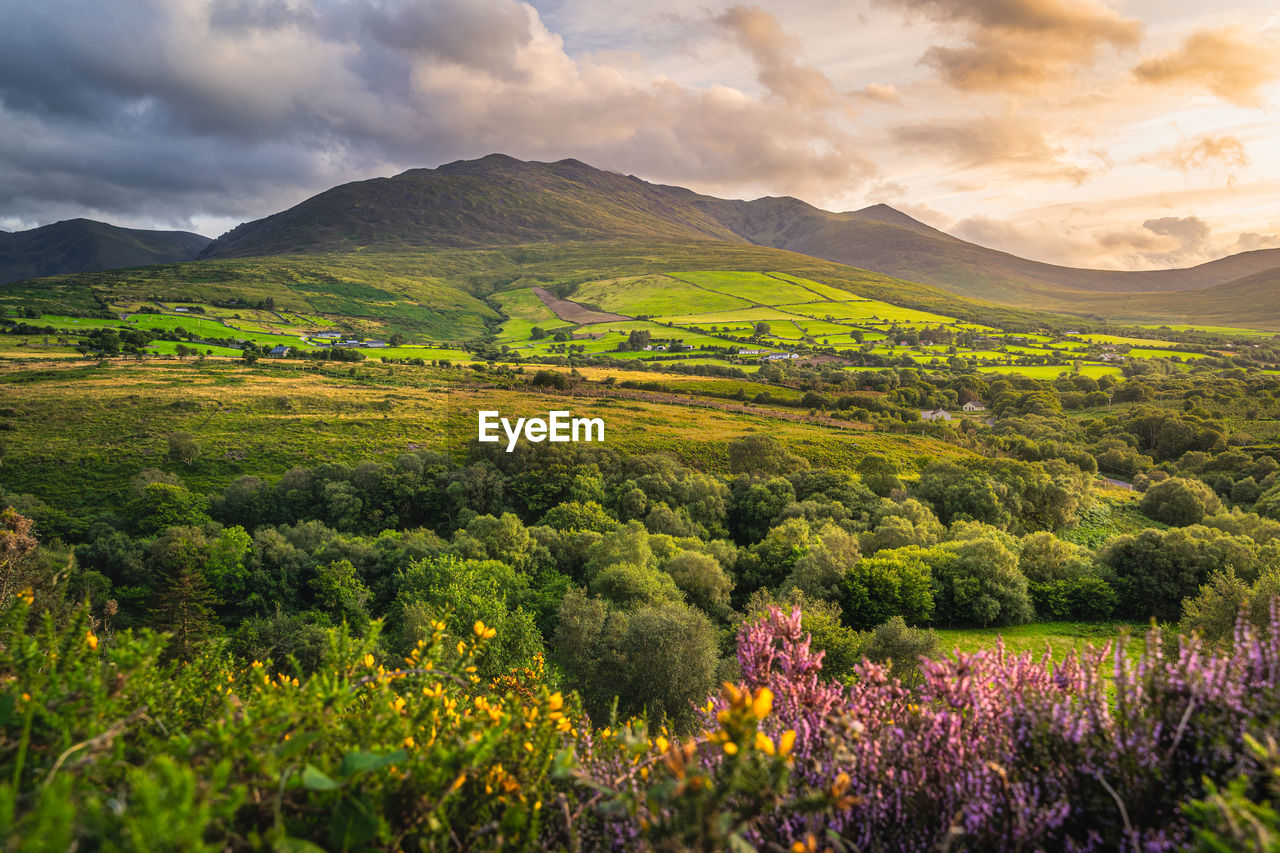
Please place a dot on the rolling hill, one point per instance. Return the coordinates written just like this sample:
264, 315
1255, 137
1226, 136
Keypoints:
83, 245
501, 201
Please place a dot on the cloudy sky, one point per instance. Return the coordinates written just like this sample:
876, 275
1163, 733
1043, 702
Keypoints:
1110, 133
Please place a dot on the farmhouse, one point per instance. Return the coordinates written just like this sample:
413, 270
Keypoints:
329, 336
936, 415
278, 351
779, 356
974, 406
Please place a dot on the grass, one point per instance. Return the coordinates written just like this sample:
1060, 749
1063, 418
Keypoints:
1059, 639
171, 348
1052, 371
756, 287
654, 295
82, 430
524, 311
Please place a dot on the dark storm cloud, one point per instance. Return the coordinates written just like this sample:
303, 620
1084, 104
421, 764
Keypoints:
168, 109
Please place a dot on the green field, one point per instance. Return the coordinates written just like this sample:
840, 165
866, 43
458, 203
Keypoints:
757, 287
654, 296
81, 430
524, 311
1052, 371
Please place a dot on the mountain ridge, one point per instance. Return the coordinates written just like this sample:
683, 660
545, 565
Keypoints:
499, 200
87, 245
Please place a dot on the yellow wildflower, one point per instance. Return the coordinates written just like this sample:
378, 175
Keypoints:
91, 640
763, 703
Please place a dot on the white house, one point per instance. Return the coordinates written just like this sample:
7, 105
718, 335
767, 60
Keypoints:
974, 406
936, 415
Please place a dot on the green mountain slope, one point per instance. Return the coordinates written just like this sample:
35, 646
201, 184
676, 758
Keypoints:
83, 245
498, 200
493, 201
448, 295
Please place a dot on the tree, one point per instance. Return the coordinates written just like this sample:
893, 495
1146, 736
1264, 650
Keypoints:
338, 590
977, 582
892, 583
184, 602
1179, 501
901, 647
1044, 557
761, 329
659, 660
879, 474
703, 580
1157, 569
820, 571
183, 448
762, 455
639, 339
572, 515
162, 505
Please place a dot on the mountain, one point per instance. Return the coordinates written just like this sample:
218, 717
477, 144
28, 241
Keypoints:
499, 201
496, 200
83, 245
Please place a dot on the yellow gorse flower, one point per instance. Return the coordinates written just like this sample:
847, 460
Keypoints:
91, 639
762, 704
369, 661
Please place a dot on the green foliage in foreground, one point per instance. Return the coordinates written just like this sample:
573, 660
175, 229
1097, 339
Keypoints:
103, 743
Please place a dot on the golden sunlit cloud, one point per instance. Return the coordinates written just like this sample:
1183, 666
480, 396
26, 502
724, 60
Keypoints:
774, 51
1203, 152
879, 94
1230, 63
1008, 144
1019, 45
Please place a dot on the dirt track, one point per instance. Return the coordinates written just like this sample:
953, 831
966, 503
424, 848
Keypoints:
572, 312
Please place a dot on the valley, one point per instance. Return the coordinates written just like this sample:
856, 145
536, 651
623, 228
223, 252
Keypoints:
248, 493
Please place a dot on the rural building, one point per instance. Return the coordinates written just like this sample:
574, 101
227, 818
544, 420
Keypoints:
779, 356
974, 406
329, 336
279, 351
374, 344
182, 308
936, 415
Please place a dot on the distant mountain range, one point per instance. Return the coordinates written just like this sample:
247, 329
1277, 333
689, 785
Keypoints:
498, 200
83, 245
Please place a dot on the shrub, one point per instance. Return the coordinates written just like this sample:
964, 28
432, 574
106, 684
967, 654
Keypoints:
1179, 501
